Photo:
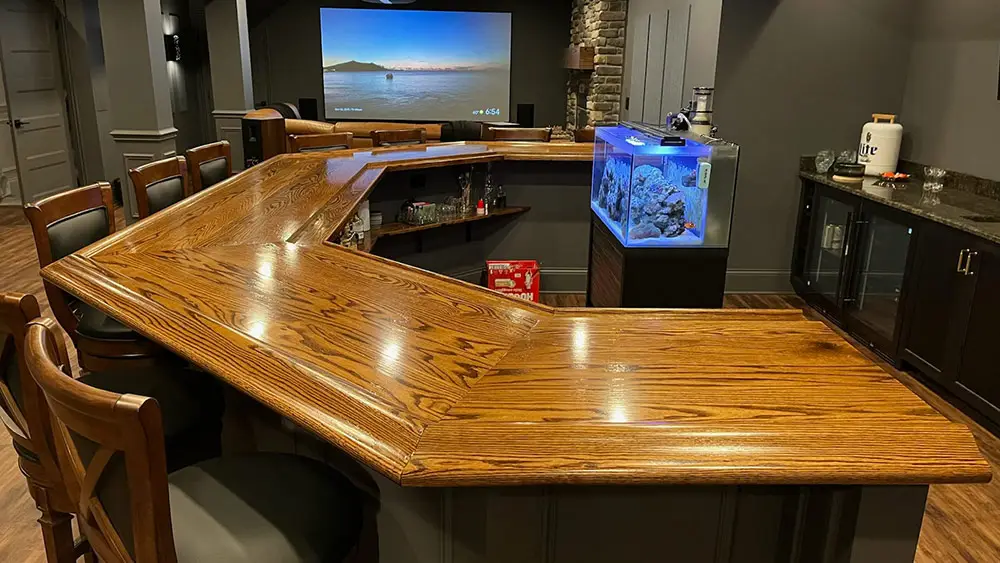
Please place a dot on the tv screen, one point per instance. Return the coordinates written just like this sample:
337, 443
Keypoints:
387, 64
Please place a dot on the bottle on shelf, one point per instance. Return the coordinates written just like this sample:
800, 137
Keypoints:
480, 208
499, 197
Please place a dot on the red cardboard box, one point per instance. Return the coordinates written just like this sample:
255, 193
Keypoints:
517, 278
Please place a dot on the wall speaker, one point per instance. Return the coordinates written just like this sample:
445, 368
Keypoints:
526, 115
309, 109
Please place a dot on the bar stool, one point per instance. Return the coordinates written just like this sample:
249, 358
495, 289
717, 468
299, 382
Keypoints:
320, 142
209, 164
531, 134
193, 411
61, 225
261, 507
399, 137
160, 184
585, 135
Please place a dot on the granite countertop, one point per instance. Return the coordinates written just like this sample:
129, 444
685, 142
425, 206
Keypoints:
950, 206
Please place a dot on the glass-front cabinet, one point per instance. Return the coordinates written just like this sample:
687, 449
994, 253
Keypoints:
850, 260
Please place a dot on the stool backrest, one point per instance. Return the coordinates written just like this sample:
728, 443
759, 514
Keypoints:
160, 184
22, 406
531, 134
111, 451
65, 223
320, 142
398, 137
209, 164
585, 135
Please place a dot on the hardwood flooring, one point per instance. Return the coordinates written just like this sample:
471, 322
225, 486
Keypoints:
960, 524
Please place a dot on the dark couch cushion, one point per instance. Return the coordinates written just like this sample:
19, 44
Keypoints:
213, 171
263, 507
164, 193
69, 234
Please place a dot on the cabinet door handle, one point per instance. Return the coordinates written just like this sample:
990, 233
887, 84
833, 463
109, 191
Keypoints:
961, 259
968, 263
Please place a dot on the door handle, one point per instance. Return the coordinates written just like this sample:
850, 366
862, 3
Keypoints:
968, 263
18, 123
961, 259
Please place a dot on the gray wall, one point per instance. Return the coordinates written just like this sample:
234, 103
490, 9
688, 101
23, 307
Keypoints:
286, 55
794, 77
950, 109
190, 78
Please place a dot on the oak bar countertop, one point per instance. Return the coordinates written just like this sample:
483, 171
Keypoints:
435, 382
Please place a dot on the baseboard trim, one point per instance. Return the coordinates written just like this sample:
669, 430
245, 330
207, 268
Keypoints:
758, 281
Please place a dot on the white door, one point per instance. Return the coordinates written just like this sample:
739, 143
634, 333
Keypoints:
9, 192
35, 97
671, 47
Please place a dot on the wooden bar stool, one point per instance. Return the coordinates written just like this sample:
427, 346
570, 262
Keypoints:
585, 135
160, 184
530, 134
193, 411
261, 507
209, 164
399, 137
320, 142
61, 225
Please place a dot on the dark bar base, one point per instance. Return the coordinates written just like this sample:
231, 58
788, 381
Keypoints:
653, 277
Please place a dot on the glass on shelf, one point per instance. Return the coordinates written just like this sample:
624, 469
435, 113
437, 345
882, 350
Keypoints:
824, 161
465, 192
447, 212
933, 179
847, 156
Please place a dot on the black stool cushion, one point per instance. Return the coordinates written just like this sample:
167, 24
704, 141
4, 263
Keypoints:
263, 507
164, 193
213, 171
191, 404
95, 324
69, 234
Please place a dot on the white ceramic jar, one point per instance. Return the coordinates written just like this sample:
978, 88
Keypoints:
879, 147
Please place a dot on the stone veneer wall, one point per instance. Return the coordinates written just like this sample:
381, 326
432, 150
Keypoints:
599, 24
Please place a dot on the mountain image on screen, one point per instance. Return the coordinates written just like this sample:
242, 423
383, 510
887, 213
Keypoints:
415, 65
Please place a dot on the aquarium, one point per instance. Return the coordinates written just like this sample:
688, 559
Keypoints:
658, 188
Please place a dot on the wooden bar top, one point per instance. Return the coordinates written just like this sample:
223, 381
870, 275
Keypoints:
435, 382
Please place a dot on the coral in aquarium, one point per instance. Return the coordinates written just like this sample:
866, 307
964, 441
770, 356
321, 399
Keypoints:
614, 188
657, 206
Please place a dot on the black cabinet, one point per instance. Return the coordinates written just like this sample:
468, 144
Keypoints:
979, 366
941, 299
916, 291
850, 261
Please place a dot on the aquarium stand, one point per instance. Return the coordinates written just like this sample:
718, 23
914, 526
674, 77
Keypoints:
681, 277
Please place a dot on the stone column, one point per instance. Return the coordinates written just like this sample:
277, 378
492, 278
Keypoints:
600, 24
142, 124
229, 55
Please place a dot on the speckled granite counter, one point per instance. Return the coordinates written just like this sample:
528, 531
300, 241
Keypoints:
953, 210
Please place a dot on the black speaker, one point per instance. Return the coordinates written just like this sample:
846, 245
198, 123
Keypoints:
526, 115
308, 109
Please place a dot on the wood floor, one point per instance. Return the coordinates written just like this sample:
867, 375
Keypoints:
961, 524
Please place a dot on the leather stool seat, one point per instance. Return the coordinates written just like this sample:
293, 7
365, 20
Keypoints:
95, 324
263, 507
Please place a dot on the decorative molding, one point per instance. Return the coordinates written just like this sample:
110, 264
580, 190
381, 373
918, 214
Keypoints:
143, 135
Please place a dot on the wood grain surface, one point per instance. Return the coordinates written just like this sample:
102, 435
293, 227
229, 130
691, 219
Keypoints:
436, 382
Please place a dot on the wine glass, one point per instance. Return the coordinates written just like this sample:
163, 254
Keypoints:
824, 160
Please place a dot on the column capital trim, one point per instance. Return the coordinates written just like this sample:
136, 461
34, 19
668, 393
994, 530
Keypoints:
144, 135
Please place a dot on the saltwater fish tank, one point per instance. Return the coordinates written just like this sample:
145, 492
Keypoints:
653, 187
